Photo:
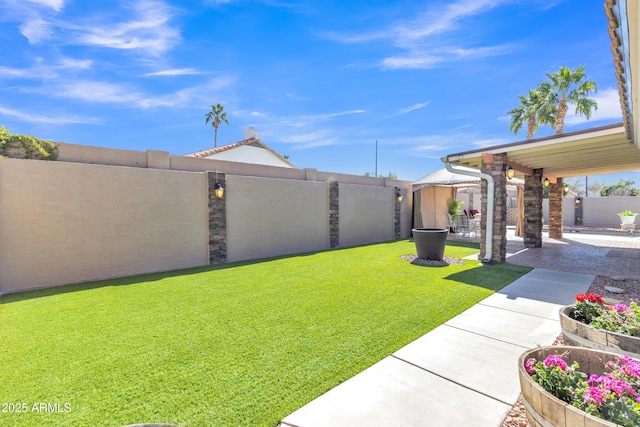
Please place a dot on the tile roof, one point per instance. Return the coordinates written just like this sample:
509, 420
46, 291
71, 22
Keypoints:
250, 141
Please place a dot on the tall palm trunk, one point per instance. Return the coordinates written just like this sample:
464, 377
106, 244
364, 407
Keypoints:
560, 113
531, 127
215, 133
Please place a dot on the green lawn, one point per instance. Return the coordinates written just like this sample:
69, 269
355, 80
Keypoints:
240, 344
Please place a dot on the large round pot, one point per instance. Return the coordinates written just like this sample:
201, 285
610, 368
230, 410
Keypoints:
543, 408
583, 335
430, 242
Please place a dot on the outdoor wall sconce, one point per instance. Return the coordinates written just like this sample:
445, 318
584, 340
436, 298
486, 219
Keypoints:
218, 190
509, 172
399, 195
546, 182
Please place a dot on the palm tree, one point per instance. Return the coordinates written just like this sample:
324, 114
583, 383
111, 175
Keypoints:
216, 116
571, 87
537, 109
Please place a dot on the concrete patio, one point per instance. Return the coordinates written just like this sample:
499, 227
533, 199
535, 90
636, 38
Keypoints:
465, 371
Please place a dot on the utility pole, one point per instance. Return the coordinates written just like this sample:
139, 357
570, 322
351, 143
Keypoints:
586, 186
376, 173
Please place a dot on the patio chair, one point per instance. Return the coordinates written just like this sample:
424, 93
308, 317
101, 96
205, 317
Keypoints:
461, 226
449, 222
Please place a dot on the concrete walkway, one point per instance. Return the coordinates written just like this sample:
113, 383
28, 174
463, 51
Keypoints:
463, 373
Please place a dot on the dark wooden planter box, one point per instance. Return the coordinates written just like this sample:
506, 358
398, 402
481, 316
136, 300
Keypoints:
543, 408
578, 333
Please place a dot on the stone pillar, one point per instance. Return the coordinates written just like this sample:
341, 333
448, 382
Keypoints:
555, 209
499, 238
397, 206
217, 219
334, 215
579, 211
532, 230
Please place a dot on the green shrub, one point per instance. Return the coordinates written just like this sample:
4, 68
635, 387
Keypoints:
26, 146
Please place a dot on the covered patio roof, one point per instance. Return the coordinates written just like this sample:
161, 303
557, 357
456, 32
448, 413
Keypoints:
604, 149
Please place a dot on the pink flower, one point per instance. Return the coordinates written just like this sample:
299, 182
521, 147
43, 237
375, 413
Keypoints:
631, 367
595, 394
621, 307
553, 360
528, 366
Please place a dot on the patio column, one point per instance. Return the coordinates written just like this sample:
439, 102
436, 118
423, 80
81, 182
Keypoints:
555, 209
217, 219
533, 210
494, 166
334, 214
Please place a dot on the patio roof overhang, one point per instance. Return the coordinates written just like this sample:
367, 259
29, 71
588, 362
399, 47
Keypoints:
605, 149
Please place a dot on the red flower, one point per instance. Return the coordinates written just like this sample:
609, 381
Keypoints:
590, 297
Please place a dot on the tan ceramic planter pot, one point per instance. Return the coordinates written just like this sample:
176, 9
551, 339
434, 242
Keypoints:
546, 410
583, 335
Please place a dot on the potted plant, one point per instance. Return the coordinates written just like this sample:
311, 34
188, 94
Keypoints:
454, 207
627, 217
589, 322
570, 386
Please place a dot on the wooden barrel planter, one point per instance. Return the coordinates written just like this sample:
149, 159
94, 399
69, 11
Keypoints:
430, 242
583, 335
546, 410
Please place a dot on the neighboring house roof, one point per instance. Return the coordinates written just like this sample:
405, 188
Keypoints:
212, 153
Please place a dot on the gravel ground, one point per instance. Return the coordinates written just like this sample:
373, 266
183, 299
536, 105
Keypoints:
631, 292
446, 260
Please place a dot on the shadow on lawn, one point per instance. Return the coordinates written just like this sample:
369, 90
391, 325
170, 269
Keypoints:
490, 276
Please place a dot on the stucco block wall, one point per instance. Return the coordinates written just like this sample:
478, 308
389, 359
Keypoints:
364, 217
598, 211
269, 217
68, 222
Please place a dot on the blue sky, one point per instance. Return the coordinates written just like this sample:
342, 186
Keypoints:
321, 81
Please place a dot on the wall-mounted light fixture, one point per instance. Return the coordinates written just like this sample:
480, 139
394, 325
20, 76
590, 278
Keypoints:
399, 195
218, 190
509, 172
546, 182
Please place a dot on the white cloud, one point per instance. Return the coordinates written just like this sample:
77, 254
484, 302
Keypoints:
608, 108
36, 72
174, 72
38, 118
36, 30
411, 62
77, 64
56, 5
104, 92
411, 108
418, 38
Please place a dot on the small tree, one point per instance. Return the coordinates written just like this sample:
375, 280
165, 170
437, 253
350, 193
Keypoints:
216, 116
622, 188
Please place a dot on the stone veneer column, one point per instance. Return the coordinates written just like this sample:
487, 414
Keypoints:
217, 219
499, 238
334, 215
397, 217
555, 209
532, 230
